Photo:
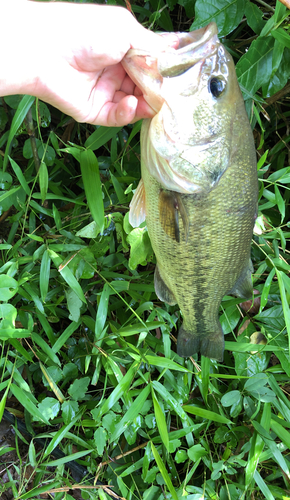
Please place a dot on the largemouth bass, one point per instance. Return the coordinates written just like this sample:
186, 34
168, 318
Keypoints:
199, 187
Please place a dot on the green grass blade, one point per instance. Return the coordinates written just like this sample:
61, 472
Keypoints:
131, 414
23, 107
160, 420
262, 486
67, 275
44, 275
93, 186
60, 434
285, 305
209, 415
101, 136
24, 399
72, 327
164, 472
281, 432
43, 181
120, 390
257, 446
68, 458
20, 176
45, 347
102, 311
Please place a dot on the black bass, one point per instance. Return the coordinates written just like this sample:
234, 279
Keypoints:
199, 187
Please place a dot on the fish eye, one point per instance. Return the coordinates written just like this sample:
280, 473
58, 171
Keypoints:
216, 86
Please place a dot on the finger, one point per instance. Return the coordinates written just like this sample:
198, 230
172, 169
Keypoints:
117, 114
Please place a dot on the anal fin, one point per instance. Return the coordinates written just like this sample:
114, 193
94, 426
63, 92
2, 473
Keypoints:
137, 213
162, 290
244, 287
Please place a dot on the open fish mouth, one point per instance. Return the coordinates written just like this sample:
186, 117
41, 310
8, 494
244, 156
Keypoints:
193, 47
148, 70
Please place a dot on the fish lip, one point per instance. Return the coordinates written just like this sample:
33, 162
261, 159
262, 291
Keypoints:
193, 47
204, 44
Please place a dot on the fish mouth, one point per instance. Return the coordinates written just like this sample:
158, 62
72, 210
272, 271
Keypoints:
148, 70
193, 47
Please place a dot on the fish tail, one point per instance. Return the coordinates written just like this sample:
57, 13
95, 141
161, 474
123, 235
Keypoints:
209, 345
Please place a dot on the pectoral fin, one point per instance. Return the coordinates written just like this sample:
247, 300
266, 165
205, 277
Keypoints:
137, 213
244, 286
171, 211
162, 290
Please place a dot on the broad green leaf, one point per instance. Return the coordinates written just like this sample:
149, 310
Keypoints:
78, 388
100, 439
8, 287
74, 305
196, 452
141, 249
254, 17
69, 410
226, 13
230, 398
49, 407
23, 107
255, 66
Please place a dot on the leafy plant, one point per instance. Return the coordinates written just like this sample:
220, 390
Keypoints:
88, 352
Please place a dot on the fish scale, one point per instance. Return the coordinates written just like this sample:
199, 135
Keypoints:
199, 187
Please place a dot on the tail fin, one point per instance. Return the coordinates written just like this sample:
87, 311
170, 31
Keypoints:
209, 345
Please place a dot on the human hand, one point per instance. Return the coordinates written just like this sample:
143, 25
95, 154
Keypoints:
78, 68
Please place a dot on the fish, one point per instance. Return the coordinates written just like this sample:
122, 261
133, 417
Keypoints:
199, 188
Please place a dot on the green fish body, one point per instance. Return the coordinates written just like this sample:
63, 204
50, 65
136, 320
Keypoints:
199, 185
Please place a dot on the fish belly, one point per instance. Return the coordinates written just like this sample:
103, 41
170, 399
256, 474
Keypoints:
211, 258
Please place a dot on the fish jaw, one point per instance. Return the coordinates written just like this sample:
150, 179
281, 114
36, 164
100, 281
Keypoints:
148, 70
